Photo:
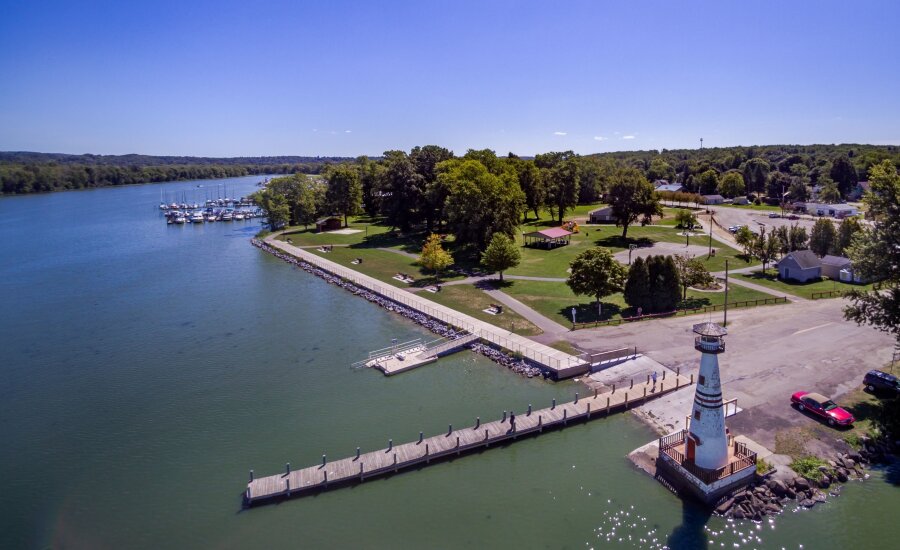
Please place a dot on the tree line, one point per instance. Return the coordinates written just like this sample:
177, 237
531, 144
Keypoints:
22, 173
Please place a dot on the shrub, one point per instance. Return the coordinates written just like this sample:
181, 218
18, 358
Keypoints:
808, 467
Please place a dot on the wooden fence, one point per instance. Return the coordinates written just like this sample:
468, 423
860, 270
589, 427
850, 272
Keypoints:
691, 311
827, 294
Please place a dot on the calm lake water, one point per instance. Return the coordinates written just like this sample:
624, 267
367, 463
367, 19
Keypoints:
146, 368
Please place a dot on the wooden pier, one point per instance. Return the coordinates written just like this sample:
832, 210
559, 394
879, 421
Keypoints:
454, 442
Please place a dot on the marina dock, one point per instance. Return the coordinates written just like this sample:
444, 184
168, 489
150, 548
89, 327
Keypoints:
455, 442
409, 355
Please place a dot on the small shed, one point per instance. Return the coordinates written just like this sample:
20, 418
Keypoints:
329, 223
548, 238
833, 265
800, 266
713, 199
740, 200
602, 215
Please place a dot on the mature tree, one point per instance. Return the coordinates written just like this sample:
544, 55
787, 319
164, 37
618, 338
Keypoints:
305, 197
798, 239
594, 175
665, 286
637, 286
486, 157
595, 272
798, 191
708, 182
560, 174
848, 228
781, 232
844, 174
276, 207
823, 237
344, 194
480, 204
691, 272
370, 178
433, 256
875, 253
660, 170
401, 190
745, 239
501, 254
777, 185
532, 185
829, 193
632, 197
732, 184
685, 218
756, 172
426, 160
766, 247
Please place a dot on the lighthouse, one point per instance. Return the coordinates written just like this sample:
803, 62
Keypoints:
707, 442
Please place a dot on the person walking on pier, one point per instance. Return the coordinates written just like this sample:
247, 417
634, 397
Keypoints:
654, 381
512, 422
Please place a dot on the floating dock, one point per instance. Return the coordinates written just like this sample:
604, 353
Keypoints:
455, 442
412, 354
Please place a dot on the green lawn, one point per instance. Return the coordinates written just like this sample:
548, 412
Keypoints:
804, 290
382, 265
471, 301
555, 300
538, 262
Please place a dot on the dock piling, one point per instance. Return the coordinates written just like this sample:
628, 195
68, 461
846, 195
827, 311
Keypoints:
595, 393
449, 430
251, 475
692, 378
287, 486
421, 437
554, 405
529, 410
357, 454
565, 415
576, 398
504, 417
588, 415
631, 387
477, 422
607, 406
390, 445
287, 469
614, 388
324, 461
626, 400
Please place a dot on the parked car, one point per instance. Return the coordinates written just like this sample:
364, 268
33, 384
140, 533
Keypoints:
881, 382
823, 407
774, 215
793, 217
734, 228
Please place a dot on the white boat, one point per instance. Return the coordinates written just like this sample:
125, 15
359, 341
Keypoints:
180, 218
197, 217
238, 216
227, 217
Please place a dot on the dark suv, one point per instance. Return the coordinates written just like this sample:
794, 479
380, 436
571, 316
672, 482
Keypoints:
882, 382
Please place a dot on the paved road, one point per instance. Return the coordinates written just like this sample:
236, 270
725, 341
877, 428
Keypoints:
770, 352
553, 331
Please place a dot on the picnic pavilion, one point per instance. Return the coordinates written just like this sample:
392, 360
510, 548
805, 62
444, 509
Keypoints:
548, 238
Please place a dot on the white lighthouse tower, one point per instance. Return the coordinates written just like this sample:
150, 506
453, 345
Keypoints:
707, 442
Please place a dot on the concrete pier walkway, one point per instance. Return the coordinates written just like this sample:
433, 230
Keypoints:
558, 363
454, 442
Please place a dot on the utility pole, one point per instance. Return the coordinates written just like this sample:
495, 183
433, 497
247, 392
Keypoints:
725, 324
710, 234
701, 144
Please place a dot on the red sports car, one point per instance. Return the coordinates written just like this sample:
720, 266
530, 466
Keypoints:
820, 405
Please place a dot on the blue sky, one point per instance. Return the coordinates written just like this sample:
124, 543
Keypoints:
351, 78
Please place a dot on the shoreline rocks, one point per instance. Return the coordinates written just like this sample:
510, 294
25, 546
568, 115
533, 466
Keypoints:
517, 365
771, 496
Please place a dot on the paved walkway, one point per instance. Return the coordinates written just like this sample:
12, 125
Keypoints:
764, 289
546, 324
558, 362
476, 280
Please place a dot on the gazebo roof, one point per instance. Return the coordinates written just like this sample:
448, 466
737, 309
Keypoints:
710, 329
552, 233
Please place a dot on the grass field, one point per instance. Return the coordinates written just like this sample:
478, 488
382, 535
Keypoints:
804, 290
539, 262
556, 300
471, 301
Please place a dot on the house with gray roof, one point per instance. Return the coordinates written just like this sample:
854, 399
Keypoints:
602, 215
800, 266
671, 187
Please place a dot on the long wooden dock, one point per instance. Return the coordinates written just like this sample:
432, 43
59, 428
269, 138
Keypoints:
454, 442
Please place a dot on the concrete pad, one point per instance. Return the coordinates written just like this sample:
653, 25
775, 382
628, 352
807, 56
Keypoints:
761, 452
644, 457
664, 249
346, 231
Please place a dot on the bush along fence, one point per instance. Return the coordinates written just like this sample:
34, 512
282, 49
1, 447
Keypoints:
690, 311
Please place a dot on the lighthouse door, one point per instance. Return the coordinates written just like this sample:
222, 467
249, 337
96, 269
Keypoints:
690, 446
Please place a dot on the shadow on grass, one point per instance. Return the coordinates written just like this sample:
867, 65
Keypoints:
773, 277
693, 303
617, 241
587, 313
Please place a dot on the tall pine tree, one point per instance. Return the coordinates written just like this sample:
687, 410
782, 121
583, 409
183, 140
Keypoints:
637, 287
